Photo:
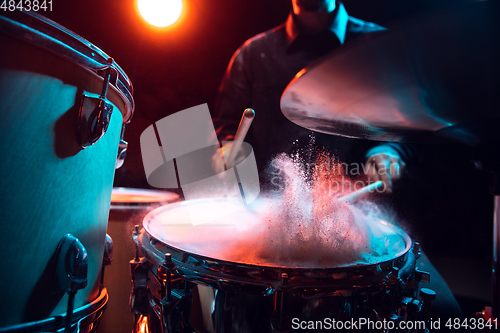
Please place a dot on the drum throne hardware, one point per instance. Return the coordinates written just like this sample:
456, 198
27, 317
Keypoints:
167, 282
63, 142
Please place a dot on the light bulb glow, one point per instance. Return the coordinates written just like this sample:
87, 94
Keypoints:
160, 13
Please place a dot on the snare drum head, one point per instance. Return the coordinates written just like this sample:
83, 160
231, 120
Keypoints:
258, 235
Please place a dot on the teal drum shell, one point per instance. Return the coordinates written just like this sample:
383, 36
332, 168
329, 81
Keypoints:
50, 186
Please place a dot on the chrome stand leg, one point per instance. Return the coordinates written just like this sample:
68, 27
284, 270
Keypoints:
495, 280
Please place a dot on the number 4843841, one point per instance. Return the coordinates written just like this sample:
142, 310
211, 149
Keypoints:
26, 5
471, 323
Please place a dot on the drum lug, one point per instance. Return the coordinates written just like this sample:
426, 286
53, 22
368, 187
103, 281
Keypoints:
428, 295
71, 265
410, 308
108, 251
416, 250
70, 272
422, 276
176, 310
175, 306
122, 150
139, 300
95, 113
280, 319
107, 257
139, 273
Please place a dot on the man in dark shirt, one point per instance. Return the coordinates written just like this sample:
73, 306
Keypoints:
256, 77
261, 69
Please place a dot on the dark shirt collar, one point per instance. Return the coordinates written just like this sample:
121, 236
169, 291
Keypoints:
338, 27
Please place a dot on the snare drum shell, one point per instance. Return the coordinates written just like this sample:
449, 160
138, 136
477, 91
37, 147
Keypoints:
49, 185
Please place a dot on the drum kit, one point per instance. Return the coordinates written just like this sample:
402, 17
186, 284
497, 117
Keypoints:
62, 138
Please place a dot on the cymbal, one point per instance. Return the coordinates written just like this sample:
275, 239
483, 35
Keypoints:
429, 77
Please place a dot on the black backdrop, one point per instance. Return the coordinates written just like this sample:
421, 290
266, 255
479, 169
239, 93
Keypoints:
181, 66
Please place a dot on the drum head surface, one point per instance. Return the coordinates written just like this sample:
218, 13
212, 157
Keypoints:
252, 235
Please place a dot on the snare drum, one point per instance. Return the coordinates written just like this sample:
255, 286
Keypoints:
64, 103
257, 296
128, 208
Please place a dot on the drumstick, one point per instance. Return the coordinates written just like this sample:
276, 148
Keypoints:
352, 197
245, 122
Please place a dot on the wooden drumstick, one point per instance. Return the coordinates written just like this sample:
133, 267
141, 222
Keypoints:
245, 122
351, 197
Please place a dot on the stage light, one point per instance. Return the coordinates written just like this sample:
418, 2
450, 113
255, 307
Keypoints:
160, 13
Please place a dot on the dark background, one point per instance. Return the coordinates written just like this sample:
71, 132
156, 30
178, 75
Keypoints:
181, 66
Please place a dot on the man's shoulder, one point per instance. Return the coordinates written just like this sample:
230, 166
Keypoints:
358, 26
271, 36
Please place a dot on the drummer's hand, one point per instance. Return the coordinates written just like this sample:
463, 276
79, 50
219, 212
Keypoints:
221, 155
387, 167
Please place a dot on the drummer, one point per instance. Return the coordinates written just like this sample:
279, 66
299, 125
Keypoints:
256, 77
262, 68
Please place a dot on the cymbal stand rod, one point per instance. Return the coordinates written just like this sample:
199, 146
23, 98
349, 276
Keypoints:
495, 280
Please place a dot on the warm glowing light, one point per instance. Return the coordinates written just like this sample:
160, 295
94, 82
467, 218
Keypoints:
142, 325
160, 13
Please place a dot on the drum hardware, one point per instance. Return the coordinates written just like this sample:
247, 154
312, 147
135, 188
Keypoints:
128, 207
280, 310
70, 273
107, 256
428, 295
139, 273
35, 27
139, 299
94, 120
281, 293
122, 150
174, 305
80, 51
176, 310
87, 322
